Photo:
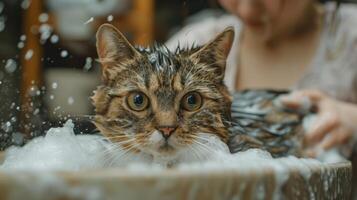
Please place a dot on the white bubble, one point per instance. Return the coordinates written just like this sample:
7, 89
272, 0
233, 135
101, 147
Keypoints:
54, 39
7, 127
70, 100
110, 18
52, 97
36, 111
88, 64
89, 20
20, 45
13, 119
10, 66
29, 54
38, 92
33, 92
64, 53
25, 4
23, 37
46, 31
57, 108
43, 17
54, 85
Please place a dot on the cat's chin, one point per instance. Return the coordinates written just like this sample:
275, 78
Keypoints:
166, 149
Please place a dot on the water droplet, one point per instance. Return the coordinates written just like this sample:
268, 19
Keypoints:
6, 127
10, 66
88, 64
52, 97
64, 53
54, 39
20, 45
33, 92
25, 4
29, 54
54, 85
70, 100
57, 108
46, 31
23, 37
110, 18
43, 17
36, 111
89, 20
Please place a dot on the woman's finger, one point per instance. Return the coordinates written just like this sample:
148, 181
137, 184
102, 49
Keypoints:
330, 140
295, 102
302, 100
314, 95
324, 123
337, 137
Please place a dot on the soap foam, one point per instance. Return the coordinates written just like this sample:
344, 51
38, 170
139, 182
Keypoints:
61, 149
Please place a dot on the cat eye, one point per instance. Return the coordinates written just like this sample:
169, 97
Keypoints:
191, 101
137, 101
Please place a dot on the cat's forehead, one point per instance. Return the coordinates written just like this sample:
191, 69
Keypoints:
160, 58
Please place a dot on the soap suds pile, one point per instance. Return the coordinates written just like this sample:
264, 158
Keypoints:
61, 149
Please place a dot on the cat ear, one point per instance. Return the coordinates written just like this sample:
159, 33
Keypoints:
214, 54
113, 47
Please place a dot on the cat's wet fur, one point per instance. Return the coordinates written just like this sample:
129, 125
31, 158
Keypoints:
167, 83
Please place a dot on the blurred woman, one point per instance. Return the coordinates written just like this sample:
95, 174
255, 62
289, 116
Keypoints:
288, 44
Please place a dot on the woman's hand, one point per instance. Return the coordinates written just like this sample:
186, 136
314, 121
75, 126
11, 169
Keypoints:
335, 124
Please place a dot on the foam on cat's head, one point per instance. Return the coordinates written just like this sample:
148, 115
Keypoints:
165, 84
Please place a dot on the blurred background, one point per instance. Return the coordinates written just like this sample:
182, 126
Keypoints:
48, 66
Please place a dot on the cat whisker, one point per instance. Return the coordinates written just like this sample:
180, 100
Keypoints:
125, 152
112, 153
198, 137
108, 153
110, 147
194, 151
202, 145
202, 150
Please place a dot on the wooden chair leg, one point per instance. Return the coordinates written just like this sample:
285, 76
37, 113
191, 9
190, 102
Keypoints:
31, 67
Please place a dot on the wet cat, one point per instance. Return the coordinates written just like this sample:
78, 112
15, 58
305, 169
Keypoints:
159, 102
155, 104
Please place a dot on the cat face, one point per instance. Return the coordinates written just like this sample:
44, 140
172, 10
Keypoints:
159, 102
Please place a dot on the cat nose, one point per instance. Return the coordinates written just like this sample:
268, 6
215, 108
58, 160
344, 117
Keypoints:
166, 131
